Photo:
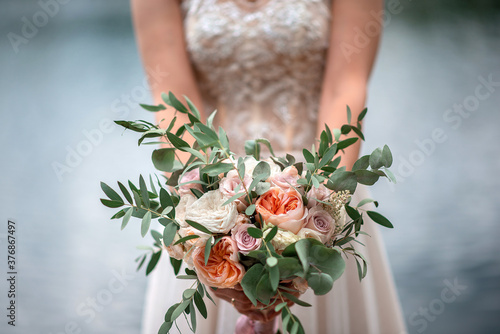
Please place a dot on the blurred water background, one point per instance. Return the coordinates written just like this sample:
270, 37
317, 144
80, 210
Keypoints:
81, 69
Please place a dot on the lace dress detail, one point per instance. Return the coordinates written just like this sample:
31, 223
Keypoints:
260, 64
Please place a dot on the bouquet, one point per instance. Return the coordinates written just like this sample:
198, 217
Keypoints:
273, 227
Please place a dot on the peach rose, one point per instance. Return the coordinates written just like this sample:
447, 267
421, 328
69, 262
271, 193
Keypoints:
192, 175
282, 208
286, 179
322, 193
321, 221
223, 269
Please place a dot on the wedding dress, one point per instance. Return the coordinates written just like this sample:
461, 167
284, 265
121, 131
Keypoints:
260, 64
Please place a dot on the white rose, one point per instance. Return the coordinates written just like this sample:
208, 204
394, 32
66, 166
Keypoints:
310, 233
282, 239
180, 209
209, 212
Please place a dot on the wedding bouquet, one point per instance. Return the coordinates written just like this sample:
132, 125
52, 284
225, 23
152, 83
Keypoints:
273, 227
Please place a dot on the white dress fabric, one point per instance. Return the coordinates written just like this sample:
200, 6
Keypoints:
260, 64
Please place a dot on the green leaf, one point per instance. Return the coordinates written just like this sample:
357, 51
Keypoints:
176, 141
346, 143
361, 163
271, 234
280, 306
127, 216
262, 187
366, 201
353, 213
165, 328
308, 156
254, 232
153, 108
198, 226
362, 115
248, 283
390, 175
134, 126
336, 134
262, 170
125, 193
302, 248
272, 261
169, 233
113, 195
163, 159
328, 156
376, 159
264, 290
321, 283
250, 210
379, 219
274, 275
234, 197
289, 266
217, 168
192, 313
179, 309
327, 260
366, 177
200, 304
186, 238
348, 115
295, 299
146, 222
192, 107
267, 143
152, 263
386, 156
166, 201
176, 265
252, 148
358, 132
111, 204
342, 180
188, 293
174, 102
208, 248
144, 192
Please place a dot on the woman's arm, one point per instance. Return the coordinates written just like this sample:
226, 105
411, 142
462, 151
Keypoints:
354, 40
160, 37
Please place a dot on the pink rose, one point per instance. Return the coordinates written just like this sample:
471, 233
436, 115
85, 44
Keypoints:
320, 220
192, 175
228, 184
282, 208
244, 241
286, 179
322, 193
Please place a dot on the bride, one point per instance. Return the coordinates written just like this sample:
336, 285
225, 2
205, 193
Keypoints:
275, 69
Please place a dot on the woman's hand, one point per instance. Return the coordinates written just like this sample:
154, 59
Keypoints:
244, 306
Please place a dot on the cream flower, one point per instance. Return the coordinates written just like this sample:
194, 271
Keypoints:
180, 209
305, 233
251, 162
282, 239
209, 212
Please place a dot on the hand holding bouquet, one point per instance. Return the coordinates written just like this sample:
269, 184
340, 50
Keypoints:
268, 228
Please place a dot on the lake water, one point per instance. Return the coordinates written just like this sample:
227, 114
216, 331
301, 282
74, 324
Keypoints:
75, 267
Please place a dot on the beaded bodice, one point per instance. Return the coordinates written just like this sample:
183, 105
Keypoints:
260, 64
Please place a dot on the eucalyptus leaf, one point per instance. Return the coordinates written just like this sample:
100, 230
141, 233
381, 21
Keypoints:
146, 222
379, 219
163, 159
169, 233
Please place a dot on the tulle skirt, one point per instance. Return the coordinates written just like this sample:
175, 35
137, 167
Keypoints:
352, 307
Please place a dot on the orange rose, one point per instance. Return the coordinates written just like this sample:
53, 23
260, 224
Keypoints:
282, 208
223, 269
